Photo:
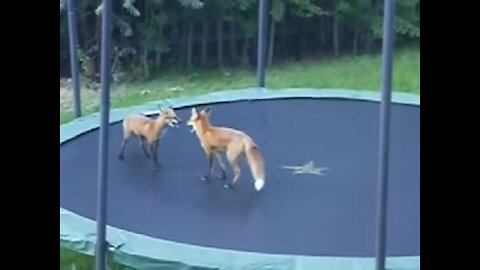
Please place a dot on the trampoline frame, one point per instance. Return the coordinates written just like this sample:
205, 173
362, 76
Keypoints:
139, 251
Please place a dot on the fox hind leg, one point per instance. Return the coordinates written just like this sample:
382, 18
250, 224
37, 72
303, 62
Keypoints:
236, 173
144, 148
122, 149
126, 138
233, 156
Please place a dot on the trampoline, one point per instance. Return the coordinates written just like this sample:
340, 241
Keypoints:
317, 210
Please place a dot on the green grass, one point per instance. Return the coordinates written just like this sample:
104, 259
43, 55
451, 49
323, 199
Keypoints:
70, 260
362, 72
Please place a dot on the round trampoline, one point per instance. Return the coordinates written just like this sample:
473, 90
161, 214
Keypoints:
317, 210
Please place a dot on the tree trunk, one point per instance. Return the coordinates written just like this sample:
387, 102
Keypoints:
189, 46
204, 42
323, 31
355, 41
158, 59
83, 27
183, 45
336, 45
369, 38
369, 42
94, 54
271, 42
233, 43
220, 43
148, 35
146, 68
284, 39
245, 51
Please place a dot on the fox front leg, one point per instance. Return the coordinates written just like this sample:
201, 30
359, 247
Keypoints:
144, 148
209, 168
223, 169
154, 154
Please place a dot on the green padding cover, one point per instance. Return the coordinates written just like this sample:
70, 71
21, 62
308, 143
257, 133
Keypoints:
143, 252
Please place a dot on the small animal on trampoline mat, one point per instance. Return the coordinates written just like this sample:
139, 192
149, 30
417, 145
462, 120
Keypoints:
148, 131
215, 140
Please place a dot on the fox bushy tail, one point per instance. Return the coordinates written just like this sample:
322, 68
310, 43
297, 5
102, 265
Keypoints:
257, 166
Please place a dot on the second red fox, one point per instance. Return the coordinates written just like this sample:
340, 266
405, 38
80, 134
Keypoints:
148, 131
215, 140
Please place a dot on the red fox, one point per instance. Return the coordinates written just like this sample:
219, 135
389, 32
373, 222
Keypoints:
148, 131
215, 140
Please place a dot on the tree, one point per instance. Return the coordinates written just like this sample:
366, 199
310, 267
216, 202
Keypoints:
247, 20
278, 13
153, 34
407, 20
354, 14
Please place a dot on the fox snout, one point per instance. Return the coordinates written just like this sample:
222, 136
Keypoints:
175, 122
191, 125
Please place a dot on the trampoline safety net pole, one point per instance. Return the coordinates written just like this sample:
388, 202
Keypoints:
101, 246
73, 34
262, 42
382, 192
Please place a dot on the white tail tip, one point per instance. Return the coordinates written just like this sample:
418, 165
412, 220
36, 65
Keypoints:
259, 184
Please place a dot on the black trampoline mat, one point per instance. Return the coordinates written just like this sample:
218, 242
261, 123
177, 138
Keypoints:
330, 215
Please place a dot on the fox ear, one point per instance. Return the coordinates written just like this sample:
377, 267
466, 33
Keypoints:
207, 110
194, 112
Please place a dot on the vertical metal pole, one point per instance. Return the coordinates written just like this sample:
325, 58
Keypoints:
101, 247
262, 41
73, 34
382, 192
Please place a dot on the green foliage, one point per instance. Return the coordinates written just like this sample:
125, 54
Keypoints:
307, 8
278, 9
128, 5
195, 4
86, 64
354, 12
407, 19
406, 27
245, 4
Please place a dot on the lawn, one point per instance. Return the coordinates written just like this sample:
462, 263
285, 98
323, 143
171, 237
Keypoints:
361, 72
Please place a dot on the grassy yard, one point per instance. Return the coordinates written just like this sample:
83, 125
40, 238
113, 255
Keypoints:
362, 72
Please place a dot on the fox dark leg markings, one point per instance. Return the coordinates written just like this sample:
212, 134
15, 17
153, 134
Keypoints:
233, 159
209, 169
144, 148
122, 148
223, 174
154, 154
